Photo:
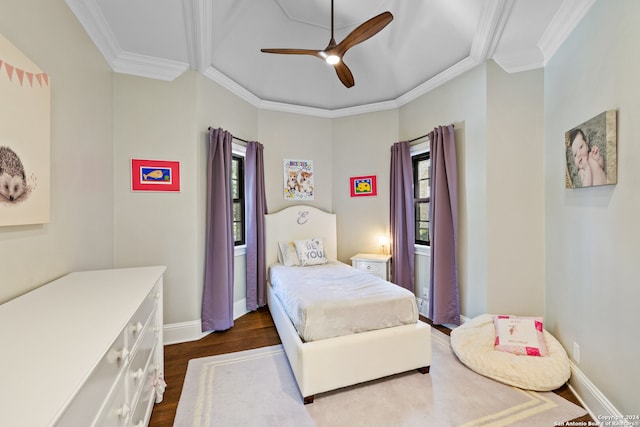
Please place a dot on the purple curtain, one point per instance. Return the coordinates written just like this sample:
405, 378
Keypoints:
217, 298
444, 305
402, 216
255, 209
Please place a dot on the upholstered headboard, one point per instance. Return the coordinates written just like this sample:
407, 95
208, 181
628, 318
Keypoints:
297, 223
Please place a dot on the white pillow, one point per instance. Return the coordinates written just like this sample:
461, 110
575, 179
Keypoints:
310, 251
520, 335
287, 254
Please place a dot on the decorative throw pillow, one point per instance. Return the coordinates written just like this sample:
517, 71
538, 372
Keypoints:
520, 335
287, 254
310, 251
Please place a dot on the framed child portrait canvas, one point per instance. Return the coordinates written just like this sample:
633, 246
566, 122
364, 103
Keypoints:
591, 152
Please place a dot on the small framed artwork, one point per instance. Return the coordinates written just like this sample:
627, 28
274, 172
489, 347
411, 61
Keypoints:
298, 179
363, 186
155, 175
591, 152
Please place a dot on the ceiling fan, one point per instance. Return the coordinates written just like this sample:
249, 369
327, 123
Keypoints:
334, 52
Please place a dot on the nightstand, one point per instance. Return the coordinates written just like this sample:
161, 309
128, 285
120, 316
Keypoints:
376, 264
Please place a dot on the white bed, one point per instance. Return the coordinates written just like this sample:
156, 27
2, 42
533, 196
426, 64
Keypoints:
332, 363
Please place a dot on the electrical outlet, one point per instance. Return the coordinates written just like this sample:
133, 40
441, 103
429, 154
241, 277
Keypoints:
576, 352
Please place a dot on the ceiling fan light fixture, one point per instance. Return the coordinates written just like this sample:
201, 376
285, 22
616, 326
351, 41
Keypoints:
332, 59
334, 52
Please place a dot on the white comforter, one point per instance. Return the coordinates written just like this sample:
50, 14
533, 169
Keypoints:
335, 299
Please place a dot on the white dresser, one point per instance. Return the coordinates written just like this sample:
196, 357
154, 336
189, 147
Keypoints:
376, 264
84, 350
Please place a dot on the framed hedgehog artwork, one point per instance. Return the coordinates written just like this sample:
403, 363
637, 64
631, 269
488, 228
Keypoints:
155, 175
25, 122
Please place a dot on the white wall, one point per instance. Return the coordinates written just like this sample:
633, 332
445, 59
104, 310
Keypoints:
169, 121
592, 234
462, 101
362, 146
156, 120
79, 236
296, 137
515, 192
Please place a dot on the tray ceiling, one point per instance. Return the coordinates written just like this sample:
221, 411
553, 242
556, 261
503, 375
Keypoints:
427, 43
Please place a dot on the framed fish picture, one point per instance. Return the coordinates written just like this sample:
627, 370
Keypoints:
155, 175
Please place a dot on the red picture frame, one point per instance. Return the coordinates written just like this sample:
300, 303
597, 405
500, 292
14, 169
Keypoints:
155, 175
363, 186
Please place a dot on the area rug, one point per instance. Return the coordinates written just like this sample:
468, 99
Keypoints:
257, 388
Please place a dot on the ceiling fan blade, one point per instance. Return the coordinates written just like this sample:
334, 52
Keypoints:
315, 53
344, 74
364, 31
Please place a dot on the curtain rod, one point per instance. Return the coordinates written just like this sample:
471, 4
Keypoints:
423, 136
420, 137
234, 137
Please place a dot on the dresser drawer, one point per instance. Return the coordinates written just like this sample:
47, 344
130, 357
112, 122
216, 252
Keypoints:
117, 410
141, 316
86, 405
140, 361
375, 268
147, 396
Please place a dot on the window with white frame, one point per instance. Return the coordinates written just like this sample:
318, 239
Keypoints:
237, 193
421, 161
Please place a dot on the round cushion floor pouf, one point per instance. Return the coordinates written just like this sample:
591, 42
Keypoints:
473, 343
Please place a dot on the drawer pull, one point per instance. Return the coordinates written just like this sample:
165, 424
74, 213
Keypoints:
368, 267
137, 374
139, 424
136, 328
124, 411
123, 354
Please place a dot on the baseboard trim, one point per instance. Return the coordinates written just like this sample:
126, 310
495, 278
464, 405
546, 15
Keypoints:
176, 333
589, 396
596, 403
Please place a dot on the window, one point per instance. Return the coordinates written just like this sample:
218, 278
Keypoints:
421, 192
237, 192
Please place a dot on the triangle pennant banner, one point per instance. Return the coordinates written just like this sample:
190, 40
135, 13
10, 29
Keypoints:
41, 78
20, 74
9, 70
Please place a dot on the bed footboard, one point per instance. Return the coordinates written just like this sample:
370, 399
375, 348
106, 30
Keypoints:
329, 364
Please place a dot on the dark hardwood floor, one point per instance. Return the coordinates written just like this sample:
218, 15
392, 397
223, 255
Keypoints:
250, 331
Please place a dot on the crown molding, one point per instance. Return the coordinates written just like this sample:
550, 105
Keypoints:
563, 23
438, 80
198, 19
92, 20
530, 59
493, 19
147, 66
